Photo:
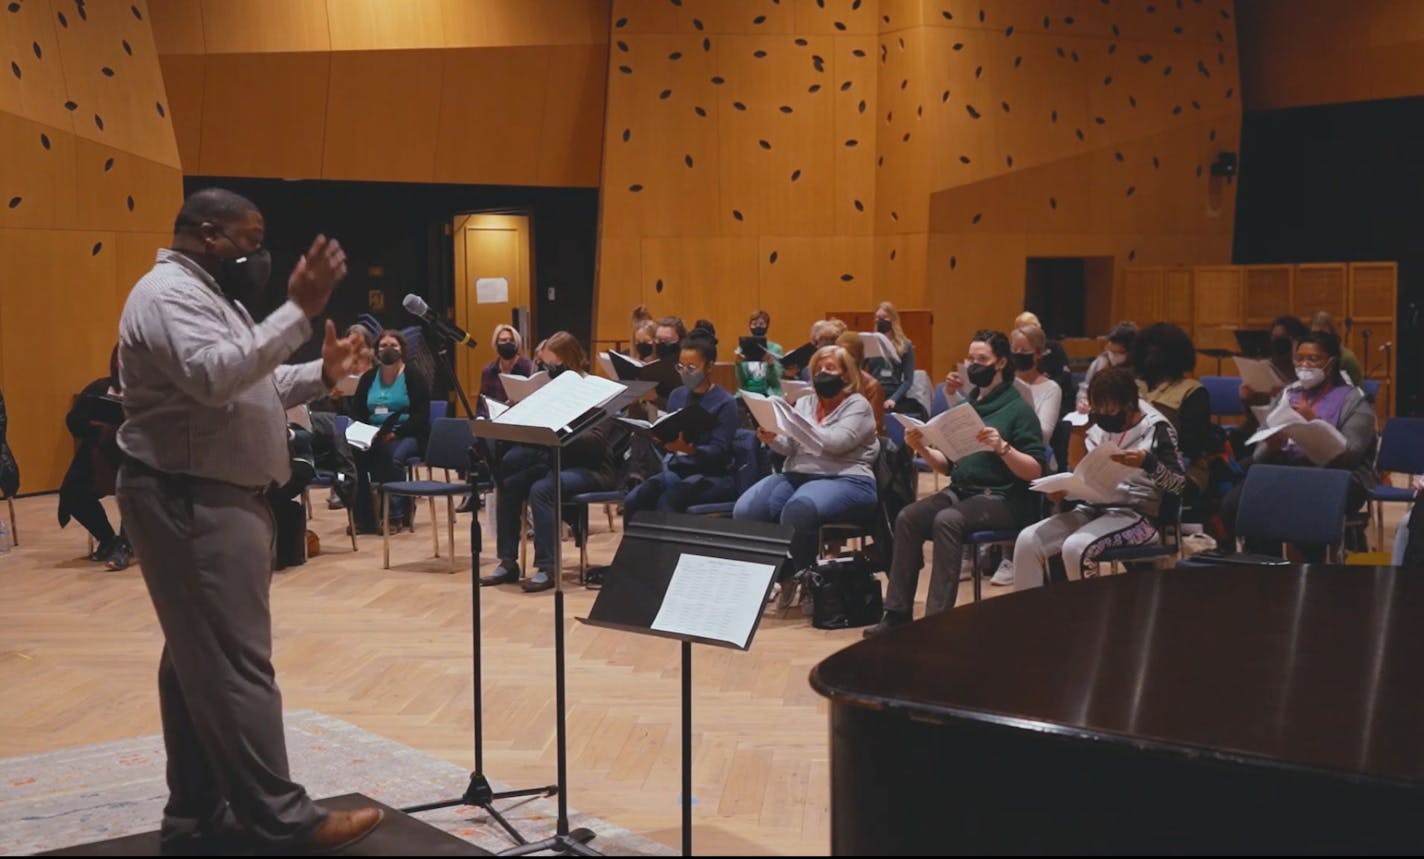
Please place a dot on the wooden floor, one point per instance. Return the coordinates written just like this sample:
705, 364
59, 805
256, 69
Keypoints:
389, 651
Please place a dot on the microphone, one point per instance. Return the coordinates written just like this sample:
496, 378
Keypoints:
416, 306
1385, 345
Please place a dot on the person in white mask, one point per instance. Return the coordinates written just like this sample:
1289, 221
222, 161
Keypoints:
1117, 353
1320, 392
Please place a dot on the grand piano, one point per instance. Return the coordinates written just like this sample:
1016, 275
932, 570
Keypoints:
1219, 710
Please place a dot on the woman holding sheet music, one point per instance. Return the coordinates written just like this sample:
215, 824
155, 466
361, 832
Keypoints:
1320, 392
895, 376
395, 397
988, 488
589, 464
510, 360
1149, 444
829, 474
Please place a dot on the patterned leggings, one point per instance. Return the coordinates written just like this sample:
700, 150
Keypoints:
1080, 536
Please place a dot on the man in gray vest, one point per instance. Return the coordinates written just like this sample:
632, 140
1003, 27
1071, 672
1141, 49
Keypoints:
205, 435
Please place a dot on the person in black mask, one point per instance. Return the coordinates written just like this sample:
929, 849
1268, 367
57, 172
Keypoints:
896, 374
589, 464
988, 491
394, 396
834, 482
762, 376
697, 470
668, 337
644, 340
509, 360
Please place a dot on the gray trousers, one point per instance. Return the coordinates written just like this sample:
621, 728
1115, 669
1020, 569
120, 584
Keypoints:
946, 520
205, 549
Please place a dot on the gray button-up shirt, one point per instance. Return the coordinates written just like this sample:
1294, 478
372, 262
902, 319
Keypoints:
205, 390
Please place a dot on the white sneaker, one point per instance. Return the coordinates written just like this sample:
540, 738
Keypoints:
1004, 575
966, 569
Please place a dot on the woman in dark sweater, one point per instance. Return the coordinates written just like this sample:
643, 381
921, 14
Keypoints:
510, 361
395, 397
524, 474
988, 491
96, 460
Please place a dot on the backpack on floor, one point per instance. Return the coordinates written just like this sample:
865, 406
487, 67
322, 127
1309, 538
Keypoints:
844, 593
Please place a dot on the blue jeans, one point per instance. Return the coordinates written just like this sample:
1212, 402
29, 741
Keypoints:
670, 493
525, 474
383, 463
806, 502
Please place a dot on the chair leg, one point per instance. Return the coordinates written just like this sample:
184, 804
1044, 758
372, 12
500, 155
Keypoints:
1379, 524
351, 525
434, 526
385, 532
974, 561
306, 502
608, 509
14, 532
450, 526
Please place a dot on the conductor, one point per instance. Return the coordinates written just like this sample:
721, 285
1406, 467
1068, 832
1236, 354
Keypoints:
203, 439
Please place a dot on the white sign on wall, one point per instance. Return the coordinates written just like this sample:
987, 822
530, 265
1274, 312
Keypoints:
492, 290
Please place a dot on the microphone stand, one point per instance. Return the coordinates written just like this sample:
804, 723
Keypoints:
478, 793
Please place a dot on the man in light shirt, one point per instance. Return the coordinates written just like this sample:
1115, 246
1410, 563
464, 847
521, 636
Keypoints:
205, 435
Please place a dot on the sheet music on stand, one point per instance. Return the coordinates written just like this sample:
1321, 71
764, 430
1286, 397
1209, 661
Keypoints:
561, 401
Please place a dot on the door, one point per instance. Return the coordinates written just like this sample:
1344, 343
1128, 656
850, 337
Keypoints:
492, 272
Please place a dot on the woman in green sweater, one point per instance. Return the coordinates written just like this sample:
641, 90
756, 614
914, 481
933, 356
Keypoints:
988, 491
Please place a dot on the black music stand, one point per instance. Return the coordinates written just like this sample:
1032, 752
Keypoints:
1218, 354
563, 840
478, 793
731, 566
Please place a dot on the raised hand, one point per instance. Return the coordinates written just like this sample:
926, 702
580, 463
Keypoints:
316, 275
340, 357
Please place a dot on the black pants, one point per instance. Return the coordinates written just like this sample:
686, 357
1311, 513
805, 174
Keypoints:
78, 497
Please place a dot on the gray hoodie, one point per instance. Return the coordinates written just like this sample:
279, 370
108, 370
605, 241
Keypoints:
850, 444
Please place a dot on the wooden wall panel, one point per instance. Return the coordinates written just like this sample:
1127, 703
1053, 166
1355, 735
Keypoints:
496, 23
286, 26
1178, 301
292, 110
89, 165
1372, 289
1268, 292
695, 274
111, 76
809, 275
617, 288
382, 115
1217, 294
1320, 286
34, 86
570, 150
177, 26
183, 76
371, 25
37, 181
1141, 295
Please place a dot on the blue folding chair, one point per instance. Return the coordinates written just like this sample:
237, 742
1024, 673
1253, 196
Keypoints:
1401, 450
450, 443
1285, 504
1371, 388
1224, 395
978, 540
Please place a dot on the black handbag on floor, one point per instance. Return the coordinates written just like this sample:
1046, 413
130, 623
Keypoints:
844, 593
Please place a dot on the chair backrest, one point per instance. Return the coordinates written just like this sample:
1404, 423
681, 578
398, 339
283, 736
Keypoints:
1402, 446
1371, 388
939, 401
439, 409
1169, 520
339, 425
1224, 394
747, 460
449, 445
1293, 504
895, 431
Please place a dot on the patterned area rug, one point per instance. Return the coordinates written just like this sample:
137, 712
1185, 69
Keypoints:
92, 793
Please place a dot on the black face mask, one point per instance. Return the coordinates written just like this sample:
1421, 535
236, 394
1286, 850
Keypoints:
244, 276
388, 356
1024, 361
982, 375
828, 385
554, 370
668, 350
1111, 423
758, 331
644, 350
506, 350
884, 326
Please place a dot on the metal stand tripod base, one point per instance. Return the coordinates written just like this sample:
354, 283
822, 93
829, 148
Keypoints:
481, 795
573, 843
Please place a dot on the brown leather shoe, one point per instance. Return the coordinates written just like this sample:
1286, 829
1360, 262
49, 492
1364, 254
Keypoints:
341, 829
